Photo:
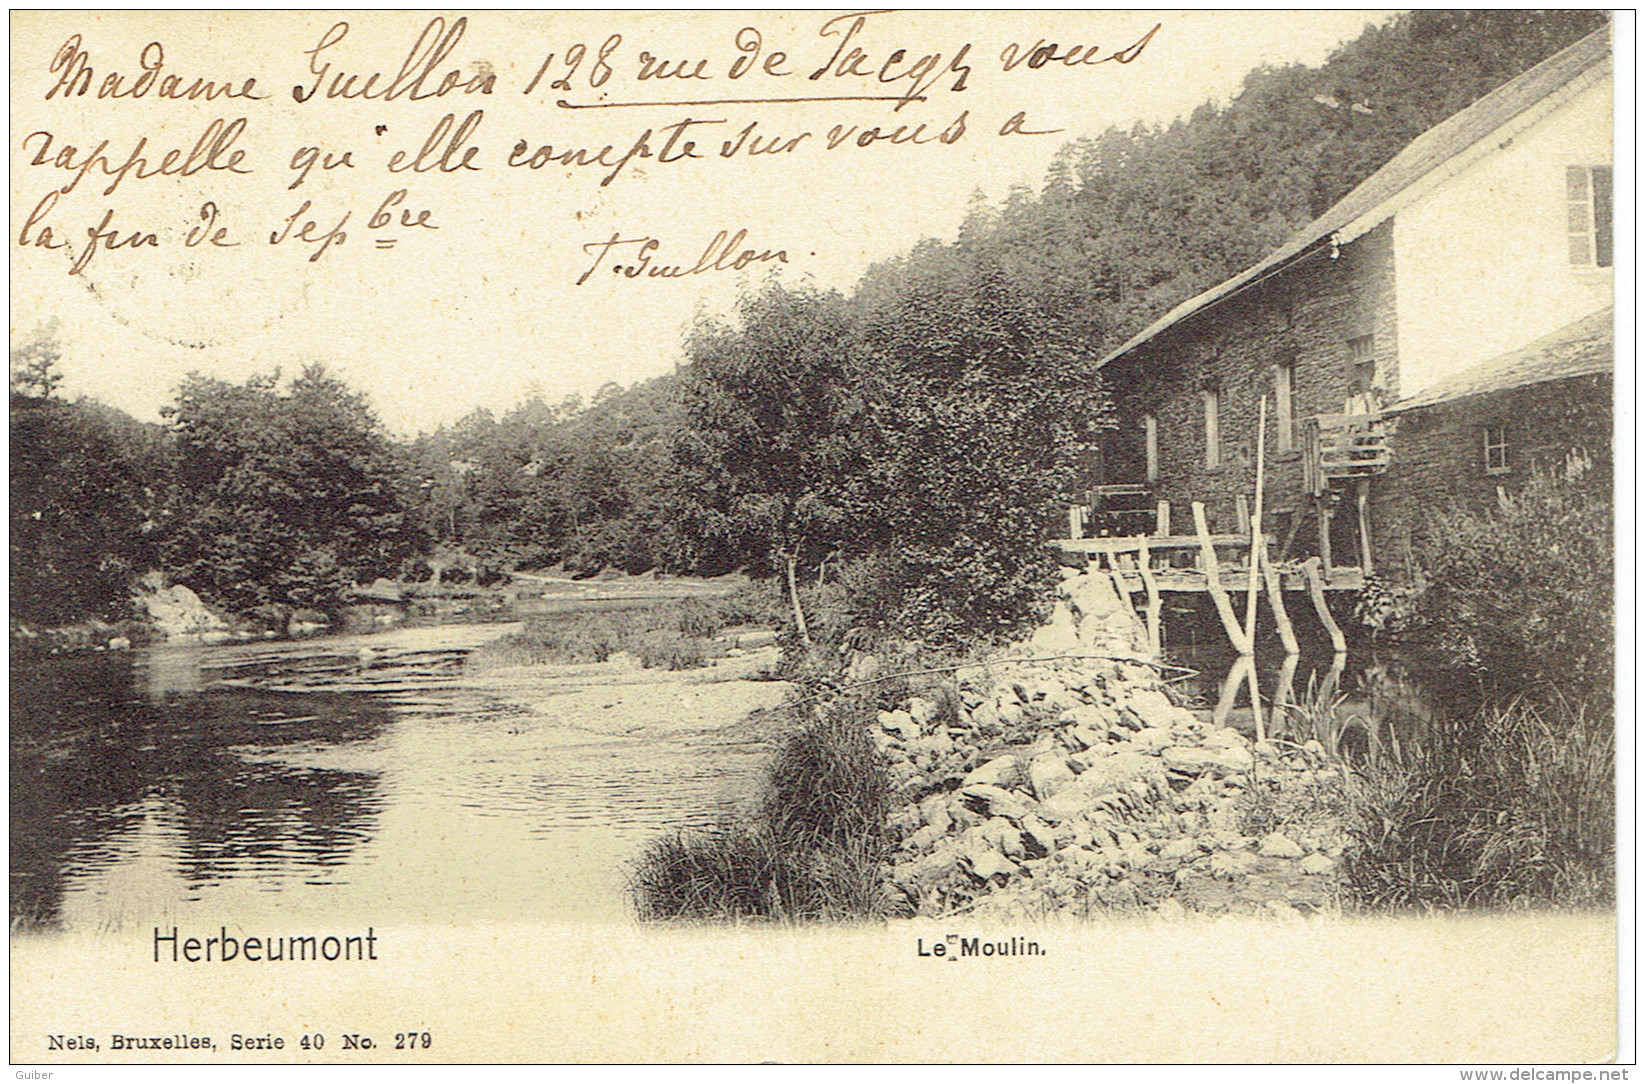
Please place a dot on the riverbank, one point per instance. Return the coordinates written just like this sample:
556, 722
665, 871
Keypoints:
1071, 783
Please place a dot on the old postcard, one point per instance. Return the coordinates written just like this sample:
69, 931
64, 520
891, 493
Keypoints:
854, 536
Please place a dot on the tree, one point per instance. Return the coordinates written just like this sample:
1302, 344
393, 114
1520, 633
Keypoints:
980, 408
34, 373
287, 498
83, 485
771, 429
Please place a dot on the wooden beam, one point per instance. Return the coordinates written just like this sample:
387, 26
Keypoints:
1076, 521
1151, 615
1291, 578
1276, 602
1242, 509
1213, 579
1132, 543
1162, 519
1316, 591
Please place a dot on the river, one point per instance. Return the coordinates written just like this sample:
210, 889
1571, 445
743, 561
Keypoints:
384, 779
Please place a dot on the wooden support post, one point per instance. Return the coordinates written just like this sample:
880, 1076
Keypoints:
1076, 522
1316, 591
1256, 697
1290, 536
1276, 602
1324, 504
1151, 615
1363, 499
1256, 533
1242, 509
1162, 518
1213, 581
1285, 692
1230, 690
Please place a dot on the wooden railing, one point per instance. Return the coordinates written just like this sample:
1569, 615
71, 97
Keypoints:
1343, 446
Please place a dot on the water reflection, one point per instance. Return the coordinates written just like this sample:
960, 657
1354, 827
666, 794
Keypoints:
119, 767
1352, 703
360, 779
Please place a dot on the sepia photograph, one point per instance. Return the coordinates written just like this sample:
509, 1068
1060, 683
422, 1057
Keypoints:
645, 537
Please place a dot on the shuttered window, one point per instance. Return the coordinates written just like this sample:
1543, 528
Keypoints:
1588, 215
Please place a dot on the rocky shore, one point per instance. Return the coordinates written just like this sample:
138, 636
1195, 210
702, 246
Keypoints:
1073, 783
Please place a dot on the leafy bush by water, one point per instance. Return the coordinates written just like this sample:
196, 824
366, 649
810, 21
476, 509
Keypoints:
1523, 597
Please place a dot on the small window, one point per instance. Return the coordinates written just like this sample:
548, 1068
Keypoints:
1213, 428
1496, 449
1150, 441
1362, 363
1588, 215
1285, 433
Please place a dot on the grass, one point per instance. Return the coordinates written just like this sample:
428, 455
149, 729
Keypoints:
673, 635
812, 848
1514, 806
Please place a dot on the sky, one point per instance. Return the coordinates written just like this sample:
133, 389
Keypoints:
478, 303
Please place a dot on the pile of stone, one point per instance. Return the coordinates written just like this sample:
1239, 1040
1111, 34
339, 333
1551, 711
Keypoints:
1075, 784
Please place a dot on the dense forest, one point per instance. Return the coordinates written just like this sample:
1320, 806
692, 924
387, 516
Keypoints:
912, 438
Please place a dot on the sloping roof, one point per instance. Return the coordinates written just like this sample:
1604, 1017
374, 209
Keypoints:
1580, 349
1374, 199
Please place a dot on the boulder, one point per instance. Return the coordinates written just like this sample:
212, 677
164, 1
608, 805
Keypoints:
935, 812
923, 872
1005, 837
922, 711
998, 772
995, 801
1151, 739
1224, 738
985, 719
1049, 773
1060, 636
177, 611
1038, 835
1151, 706
1086, 737
924, 839
1102, 776
1279, 845
901, 724
1317, 864
1229, 865
1093, 595
985, 862
1180, 849
1169, 910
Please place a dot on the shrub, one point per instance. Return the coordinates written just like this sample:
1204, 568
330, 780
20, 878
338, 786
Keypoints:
1512, 806
811, 850
1523, 597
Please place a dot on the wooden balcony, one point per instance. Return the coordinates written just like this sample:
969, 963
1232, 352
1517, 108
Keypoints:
1338, 446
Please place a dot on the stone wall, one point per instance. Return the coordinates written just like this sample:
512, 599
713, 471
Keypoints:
1439, 457
1306, 315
